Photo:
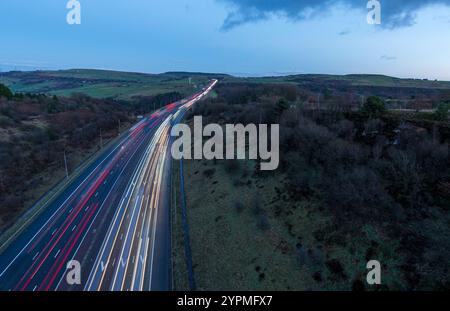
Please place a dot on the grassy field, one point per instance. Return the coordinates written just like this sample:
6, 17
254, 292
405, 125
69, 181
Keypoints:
102, 83
232, 250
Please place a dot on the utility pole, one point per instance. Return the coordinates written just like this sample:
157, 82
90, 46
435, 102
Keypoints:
65, 164
119, 128
318, 101
101, 139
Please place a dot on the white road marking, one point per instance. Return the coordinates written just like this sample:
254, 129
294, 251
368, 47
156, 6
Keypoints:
35, 256
57, 253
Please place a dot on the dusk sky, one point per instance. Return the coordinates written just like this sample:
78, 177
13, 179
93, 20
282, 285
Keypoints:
240, 37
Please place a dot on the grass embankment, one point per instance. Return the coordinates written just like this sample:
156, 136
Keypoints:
247, 234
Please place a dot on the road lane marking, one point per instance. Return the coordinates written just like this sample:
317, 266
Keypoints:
101, 207
34, 257
57, 253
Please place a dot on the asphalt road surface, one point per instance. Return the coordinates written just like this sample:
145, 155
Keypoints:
114, 219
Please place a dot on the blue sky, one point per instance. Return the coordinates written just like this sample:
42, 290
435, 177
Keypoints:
241, 37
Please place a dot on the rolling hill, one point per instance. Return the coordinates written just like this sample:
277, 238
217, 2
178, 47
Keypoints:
126, 85
103, 83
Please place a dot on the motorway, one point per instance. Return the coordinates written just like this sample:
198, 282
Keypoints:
114, 218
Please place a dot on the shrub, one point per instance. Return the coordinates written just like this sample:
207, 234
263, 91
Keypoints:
257, 205
441, 113
263, 222
5, 92
357, 194
374, 127
335, 267
11, 202
374, 107
5, 121
52, 134
209, 172
232, 165
239, 207
281, 106
345, 129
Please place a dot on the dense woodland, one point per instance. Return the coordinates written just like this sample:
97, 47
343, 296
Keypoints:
36, 130
363, 165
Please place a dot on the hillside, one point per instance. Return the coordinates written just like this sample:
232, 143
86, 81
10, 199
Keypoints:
126, 85
38, 132
102, 83
370, 80
352, 186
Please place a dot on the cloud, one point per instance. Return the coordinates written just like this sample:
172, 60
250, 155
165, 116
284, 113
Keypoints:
395, 13
442, 18
387, 57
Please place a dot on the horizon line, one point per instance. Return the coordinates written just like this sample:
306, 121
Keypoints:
232, 74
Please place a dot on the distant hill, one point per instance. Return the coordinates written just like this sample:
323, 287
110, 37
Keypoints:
103, 83
351, 80
125, 85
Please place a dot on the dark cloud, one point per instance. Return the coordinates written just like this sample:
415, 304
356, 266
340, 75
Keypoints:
395, 13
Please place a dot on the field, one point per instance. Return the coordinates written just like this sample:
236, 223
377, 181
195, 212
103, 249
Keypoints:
233, 250
102, 83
